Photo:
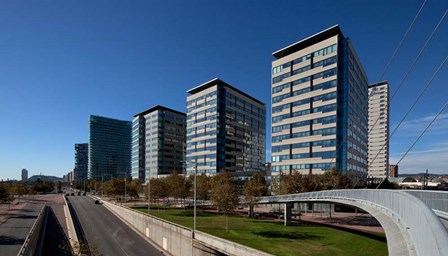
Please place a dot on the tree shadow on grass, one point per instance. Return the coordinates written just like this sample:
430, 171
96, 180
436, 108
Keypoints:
288, 235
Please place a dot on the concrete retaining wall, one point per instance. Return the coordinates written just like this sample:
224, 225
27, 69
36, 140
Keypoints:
173, 238
178, 240
31, 245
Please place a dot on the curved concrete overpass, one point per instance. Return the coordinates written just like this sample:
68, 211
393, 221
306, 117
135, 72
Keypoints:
411, 226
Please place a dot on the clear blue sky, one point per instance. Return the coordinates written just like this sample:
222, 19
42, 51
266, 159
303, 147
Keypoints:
61, 61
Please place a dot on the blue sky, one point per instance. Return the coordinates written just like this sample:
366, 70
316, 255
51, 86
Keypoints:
61, 61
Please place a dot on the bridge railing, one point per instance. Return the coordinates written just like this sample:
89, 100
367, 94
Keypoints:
436, 200
428, 235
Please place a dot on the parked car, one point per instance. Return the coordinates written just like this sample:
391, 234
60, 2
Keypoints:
98, 202
73, 194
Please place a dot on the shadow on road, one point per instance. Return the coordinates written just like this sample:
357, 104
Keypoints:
10, 240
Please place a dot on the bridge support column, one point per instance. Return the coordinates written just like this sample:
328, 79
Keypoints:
287, 213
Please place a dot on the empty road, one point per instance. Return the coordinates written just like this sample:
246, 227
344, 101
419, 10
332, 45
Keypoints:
106, 234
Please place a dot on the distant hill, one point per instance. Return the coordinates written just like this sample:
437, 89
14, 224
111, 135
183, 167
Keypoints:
44, 178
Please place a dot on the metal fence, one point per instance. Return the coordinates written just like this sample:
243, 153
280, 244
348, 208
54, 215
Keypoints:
427, 234
436, 200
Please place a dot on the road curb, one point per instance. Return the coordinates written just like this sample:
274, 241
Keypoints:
74, 241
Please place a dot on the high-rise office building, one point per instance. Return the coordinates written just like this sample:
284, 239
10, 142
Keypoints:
24, 175
109, 148
226, 130
319, 107
158, 143
81, 161
378, 146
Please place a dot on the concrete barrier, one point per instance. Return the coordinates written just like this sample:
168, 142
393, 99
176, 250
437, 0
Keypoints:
73, 238
178, 240
31, 245
171, 237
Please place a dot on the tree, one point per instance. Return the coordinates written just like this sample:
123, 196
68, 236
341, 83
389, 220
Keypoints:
20, 189
224, 194
254, 188
134, 188
176, 186
158, 189
203, 187
4, 194
294, 183
59, 186
114, 187
334, 180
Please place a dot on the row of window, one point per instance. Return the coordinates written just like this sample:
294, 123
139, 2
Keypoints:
321, 143
323, 132
323, 97
208, 95
322, 155
324, 86
294, 167
323, 109
321, 52
322, 120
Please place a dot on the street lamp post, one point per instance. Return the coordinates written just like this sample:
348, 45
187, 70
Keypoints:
195, 189
149, 189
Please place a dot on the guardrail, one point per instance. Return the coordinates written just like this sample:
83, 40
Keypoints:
427, 234
30, 245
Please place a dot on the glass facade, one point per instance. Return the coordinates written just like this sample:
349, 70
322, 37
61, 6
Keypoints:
109, 148
81, 161
225, 130
158, 143
319, 107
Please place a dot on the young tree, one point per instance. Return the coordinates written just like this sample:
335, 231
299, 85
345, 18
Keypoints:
224, 194
254, 188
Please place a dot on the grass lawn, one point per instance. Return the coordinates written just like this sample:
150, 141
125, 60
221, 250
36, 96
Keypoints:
274, 238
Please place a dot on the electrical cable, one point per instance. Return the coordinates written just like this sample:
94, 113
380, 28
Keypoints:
421, 134
412, 106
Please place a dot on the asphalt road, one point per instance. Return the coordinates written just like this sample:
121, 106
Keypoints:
106, 234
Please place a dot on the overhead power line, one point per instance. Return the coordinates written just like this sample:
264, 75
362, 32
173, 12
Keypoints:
419, 54
412, 106
401, 41
386, 67
419, 96
413, 63
423, 132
